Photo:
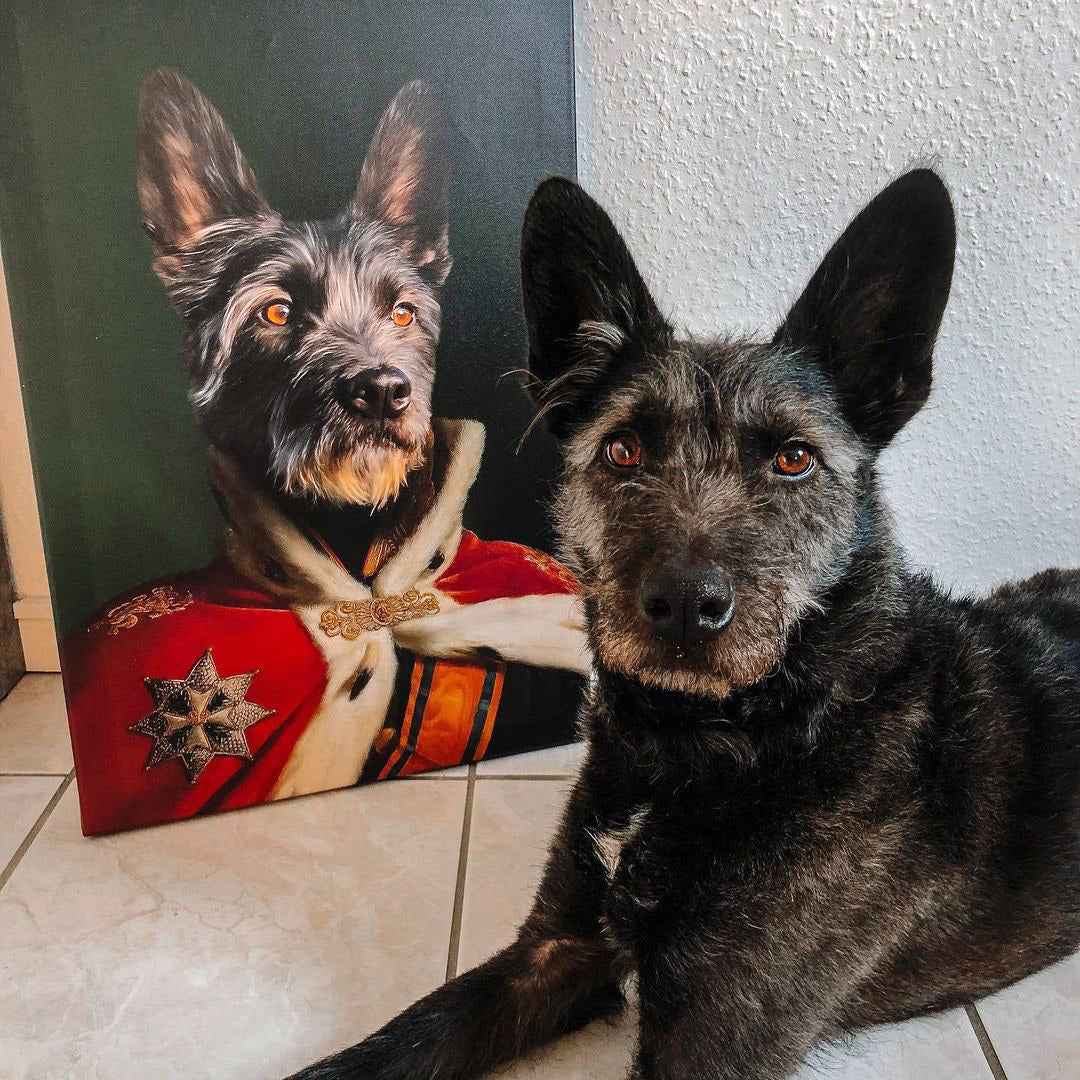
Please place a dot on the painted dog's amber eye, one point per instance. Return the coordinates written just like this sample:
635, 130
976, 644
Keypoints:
623, 450
278, 313
403, 314
794, 459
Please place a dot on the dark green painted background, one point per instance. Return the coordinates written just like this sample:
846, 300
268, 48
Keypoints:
119, 463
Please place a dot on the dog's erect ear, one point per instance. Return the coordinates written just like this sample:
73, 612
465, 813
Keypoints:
871, 312
405, 180
586, 305
191, 173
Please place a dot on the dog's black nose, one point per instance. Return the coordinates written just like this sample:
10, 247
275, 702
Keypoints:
379, 394
687, 603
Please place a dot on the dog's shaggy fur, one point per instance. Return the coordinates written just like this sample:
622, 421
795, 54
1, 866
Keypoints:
856, 801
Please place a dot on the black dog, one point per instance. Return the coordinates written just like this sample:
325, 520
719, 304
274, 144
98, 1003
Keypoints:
819, 794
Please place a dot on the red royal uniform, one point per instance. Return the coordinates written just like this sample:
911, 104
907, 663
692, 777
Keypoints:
274, 672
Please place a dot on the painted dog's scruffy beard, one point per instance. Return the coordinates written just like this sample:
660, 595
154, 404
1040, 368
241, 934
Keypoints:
366, 476
309, 448
342, 460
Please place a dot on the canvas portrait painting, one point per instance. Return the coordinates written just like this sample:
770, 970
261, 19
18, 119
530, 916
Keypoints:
338, 573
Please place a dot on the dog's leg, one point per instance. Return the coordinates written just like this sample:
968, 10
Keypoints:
736, 1016
555, 978
531, 992
705, 1049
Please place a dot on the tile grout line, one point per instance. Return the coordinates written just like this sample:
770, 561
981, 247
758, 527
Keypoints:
58, 775
427, 776
527, 776
984, 1041
38, 825
459, 887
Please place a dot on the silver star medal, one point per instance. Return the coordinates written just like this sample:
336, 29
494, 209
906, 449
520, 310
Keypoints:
200, 717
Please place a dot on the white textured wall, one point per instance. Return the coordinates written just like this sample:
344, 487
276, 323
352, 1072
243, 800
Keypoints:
732, 142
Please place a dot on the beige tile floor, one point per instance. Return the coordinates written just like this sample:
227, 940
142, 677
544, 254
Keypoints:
244, 945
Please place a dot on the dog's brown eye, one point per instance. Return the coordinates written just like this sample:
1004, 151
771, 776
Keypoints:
795, 459
278, 313
623, 450
403, 314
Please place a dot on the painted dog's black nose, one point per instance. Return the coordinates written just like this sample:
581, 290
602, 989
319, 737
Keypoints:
379, 394
687, 603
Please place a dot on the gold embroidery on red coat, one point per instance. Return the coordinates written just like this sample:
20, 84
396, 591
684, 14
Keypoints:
199, 717
351, 618
160, 600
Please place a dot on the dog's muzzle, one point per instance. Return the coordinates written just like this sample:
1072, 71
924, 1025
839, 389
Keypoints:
687, 603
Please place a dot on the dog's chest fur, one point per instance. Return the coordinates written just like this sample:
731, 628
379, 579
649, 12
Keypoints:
677, 856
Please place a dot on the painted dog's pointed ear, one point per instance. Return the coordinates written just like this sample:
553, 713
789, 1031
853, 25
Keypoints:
405, 180
191, 172
871, 312
586, 305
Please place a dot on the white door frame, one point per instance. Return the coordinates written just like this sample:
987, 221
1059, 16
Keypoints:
18, 504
